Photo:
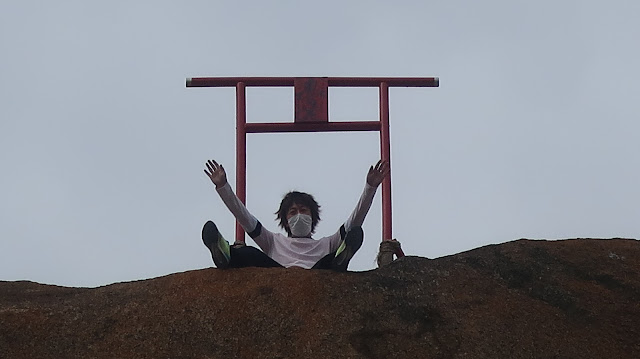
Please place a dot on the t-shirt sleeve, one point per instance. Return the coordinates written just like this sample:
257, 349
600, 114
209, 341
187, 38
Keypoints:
237, 208
362, 208
249, 223
263, 238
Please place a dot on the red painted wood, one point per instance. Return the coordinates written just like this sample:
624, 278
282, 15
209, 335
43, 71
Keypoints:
331, 81
312, 127
385, 152
241, 152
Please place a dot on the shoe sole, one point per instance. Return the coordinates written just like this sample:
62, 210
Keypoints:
211, 239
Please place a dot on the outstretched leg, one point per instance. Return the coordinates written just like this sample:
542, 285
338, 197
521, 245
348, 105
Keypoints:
217, 245
247, 256
225, 256
325, 262
349, 246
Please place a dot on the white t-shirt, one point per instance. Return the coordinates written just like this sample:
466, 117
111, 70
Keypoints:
289, 251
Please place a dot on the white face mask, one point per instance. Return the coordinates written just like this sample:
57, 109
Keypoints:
300, 225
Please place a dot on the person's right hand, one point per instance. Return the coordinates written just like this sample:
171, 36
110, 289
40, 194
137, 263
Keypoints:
216, 173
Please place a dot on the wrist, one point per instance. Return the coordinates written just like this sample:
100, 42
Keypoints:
221, 185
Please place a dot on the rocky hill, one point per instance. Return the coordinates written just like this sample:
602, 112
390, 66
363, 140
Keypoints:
523, 299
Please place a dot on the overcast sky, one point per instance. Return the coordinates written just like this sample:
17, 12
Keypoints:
533, 132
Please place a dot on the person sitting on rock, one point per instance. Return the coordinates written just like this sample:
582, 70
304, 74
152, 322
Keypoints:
299, 213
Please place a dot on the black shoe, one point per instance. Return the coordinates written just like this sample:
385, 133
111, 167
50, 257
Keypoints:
348, 247
217, 245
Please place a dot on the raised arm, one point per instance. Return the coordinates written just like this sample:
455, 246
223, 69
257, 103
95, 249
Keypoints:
218, 176
375, 176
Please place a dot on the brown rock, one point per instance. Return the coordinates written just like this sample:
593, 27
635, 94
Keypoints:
522, 299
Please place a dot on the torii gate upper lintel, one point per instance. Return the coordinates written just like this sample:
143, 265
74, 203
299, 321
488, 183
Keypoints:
312, 115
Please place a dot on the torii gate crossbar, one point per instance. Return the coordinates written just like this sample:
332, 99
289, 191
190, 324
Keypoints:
312, 115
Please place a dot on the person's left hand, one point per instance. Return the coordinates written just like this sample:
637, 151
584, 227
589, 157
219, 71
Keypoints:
378, 173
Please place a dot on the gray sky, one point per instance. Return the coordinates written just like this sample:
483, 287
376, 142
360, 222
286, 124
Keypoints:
533, 132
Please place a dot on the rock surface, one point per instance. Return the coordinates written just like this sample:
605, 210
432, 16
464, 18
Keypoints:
523, 299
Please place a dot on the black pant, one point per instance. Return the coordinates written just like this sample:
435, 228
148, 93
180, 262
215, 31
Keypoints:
247, 256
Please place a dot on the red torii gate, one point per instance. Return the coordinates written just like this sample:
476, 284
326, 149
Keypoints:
312, 115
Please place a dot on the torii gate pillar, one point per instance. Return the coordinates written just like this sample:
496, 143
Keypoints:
312, 115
